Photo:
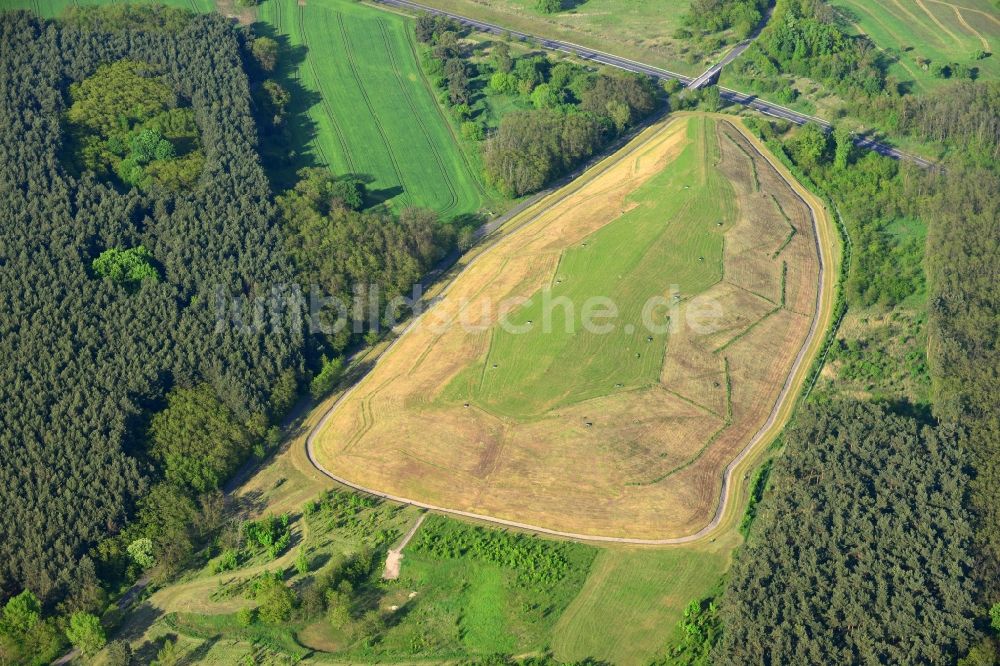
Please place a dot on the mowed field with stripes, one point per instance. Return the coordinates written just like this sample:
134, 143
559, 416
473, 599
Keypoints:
940, 31
371, 111
374, 113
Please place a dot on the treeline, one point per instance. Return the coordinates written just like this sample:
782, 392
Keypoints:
85, 470
961, 114
862, 553
871, 192
805, 38
839, 488
564, 113
362, 259
539, 563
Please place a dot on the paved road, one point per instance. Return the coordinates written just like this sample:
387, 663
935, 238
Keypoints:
714, 70
824, 306
611, 60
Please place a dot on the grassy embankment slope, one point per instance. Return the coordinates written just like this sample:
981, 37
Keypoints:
621, 433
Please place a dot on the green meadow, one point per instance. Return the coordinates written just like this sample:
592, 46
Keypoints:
640, 592
371, 109
668, 243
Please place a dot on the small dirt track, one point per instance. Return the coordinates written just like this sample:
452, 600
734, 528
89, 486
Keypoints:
730, 481
394, 560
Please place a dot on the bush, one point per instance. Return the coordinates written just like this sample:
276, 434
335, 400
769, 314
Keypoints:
276, 601
265, 51
246, 616
141, 552
472, 130
230, 560
86, 633
504, 83
327, 378
118, 653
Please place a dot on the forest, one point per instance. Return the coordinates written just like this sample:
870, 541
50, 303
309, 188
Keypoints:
862, 552
742, 16
864, 489
802, 38
95, 347
91, 357
965, 354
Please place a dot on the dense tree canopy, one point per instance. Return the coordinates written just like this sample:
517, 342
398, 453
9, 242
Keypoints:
964, 352
125, 120
803, 39
562, 114
715, 15
85, 361
532, 147
361, 259
862, 551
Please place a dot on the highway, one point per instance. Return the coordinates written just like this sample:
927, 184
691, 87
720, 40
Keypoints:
611, 60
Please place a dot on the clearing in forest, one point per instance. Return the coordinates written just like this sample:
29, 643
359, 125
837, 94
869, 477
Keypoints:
620, 429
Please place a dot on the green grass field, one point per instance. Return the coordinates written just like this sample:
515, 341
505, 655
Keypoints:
615, 604
935, 30
373, 111
642, 593
669, 242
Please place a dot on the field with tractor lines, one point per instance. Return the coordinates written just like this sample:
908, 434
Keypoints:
373, 111
921, 34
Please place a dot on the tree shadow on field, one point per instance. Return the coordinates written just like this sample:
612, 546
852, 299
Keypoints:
285, 149
845, 18
381, 196
146, 653
570, 5
197, 655
137, 622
